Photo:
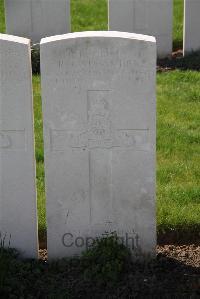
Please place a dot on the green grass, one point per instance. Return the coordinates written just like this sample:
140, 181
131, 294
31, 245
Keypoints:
178, 127
178, 24
2, 18
39, 153
89, 15
178, 149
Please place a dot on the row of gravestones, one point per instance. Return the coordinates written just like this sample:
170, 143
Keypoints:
36, 19
98, 97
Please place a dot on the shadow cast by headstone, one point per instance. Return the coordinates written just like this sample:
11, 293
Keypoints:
165, 277
177, 61
35, 59
179, 235
177, 44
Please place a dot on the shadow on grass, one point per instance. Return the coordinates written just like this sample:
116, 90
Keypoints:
164, 277
179, 235
42, 235
35, 58
177, 44
190, 62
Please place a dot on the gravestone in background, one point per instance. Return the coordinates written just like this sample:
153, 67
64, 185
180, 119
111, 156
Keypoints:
98, 93
152, 17
18, 216
191, 26
36, 19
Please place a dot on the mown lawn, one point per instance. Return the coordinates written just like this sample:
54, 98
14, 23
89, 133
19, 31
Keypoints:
178, 149
178, 128
2, 19
178, 24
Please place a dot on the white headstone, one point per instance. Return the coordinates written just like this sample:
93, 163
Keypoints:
18, 216
152, 17
191, 26
98, 93
36, 19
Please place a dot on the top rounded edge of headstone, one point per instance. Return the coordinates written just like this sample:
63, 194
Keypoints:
117, 34
14, 39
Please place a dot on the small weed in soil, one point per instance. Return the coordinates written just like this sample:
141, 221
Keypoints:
106, 261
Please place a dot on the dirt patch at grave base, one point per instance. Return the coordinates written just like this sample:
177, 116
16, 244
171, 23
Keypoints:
175, 273
186, 254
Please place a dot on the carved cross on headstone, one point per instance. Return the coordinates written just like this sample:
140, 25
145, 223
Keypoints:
97, 136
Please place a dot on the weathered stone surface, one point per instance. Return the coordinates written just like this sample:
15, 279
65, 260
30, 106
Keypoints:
36, 19
152, 17
18, 216
191, 26
98, 91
